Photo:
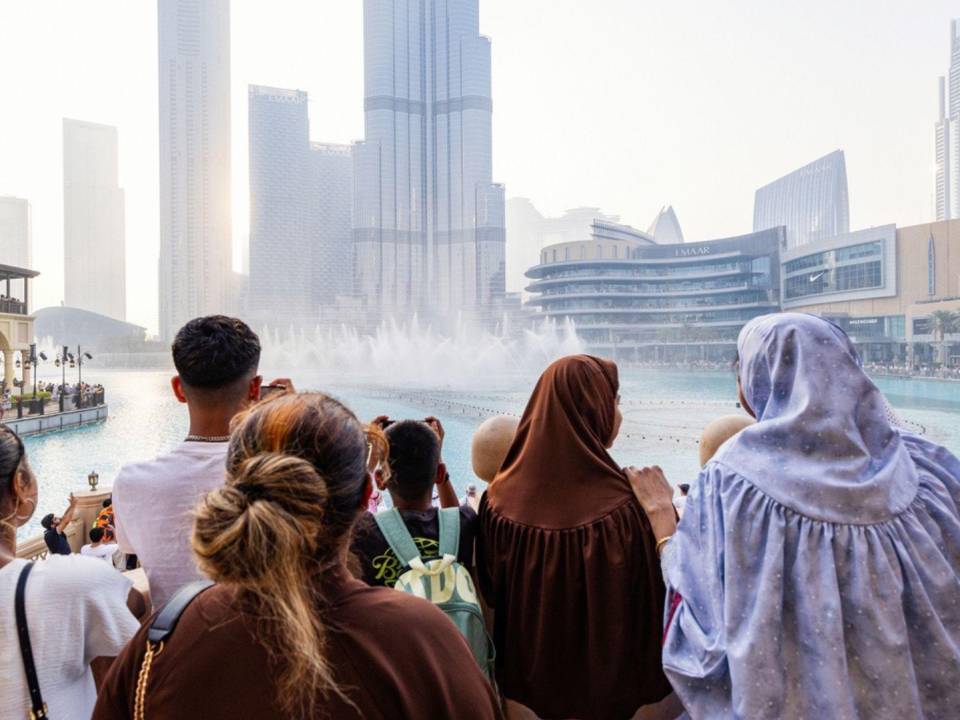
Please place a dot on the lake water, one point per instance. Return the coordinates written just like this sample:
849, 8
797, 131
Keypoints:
664, 412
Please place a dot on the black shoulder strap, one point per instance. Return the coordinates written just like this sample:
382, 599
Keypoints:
166, 620
38, 708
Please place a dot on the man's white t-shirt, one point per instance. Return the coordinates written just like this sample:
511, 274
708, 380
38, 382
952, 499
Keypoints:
104, 551
152, 512
76, 611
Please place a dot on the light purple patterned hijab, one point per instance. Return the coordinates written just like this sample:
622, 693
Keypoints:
823, 444
816, 570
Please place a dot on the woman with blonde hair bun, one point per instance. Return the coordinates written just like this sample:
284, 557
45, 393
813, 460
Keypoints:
286, 631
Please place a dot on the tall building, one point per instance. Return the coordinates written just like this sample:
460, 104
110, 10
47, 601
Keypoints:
195, 227
331, 195
947, 188
301, 248
280, 245
93, 220
15, 232
810, 202
428, 221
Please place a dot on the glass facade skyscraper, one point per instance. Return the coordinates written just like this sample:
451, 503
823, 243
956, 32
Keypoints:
280, 243
94, 236
428, 221
195, 227
331, 193
301, 251
947, 183
810, 202
15, 232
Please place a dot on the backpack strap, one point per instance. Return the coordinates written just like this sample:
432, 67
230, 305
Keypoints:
449, 531
166, 620
38, 708
397, 536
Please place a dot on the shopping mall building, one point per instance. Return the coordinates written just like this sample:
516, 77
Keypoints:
883, 286
634, 299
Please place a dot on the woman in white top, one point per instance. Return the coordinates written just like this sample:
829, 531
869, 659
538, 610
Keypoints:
76, 607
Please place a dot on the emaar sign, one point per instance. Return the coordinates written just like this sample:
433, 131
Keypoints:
693, 251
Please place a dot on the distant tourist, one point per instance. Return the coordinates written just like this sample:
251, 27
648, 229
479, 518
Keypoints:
216, 360
415, 470
491, 442
98, 546
816, 571
471, 498
287, 632
680, 501
105, 520
76, 607
55, 529
567, 560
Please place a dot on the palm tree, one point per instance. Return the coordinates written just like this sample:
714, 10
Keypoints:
944, 322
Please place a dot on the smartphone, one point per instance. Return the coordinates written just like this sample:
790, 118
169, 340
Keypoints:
267, 391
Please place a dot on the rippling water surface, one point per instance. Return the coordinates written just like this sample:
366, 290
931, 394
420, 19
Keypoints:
664, 412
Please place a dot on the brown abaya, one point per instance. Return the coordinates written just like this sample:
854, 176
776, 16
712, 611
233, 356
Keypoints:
567, 559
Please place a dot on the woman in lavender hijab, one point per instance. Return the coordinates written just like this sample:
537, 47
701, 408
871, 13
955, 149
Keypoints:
815, 571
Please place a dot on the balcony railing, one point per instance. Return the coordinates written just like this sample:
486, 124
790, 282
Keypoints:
12, 306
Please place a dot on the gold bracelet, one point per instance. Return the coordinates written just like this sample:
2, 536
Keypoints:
661, 542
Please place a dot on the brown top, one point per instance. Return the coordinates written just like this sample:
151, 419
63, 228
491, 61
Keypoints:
567, 559
395, 656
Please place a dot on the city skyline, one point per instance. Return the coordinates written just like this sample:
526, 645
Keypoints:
630, 163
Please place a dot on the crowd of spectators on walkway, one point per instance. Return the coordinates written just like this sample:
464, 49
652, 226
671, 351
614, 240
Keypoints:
812, 569
941, 372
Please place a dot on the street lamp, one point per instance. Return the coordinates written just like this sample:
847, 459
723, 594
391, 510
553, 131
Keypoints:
80, 357
63, 357
92, 479
34, 361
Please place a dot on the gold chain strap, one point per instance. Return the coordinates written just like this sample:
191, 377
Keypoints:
143, 677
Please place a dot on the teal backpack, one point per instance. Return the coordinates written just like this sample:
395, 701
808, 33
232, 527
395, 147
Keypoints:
444, 582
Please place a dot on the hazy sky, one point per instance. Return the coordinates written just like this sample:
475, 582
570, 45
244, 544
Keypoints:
622, 104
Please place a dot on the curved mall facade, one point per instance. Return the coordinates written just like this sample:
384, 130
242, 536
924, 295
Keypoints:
633, 299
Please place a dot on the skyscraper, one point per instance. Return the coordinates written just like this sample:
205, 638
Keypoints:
947, 187
280, 247
811, 202
15, 232
94, 237
195, 228
428, 220
329, 204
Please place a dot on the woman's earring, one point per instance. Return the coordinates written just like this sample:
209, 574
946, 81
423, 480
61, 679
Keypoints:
33, 507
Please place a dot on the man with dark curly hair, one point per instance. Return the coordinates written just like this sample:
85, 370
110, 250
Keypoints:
217, 361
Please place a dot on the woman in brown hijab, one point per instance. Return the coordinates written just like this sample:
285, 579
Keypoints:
567, 558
